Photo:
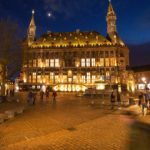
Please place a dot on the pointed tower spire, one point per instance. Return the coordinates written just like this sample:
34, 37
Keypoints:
110, 9
111, 19
31, 30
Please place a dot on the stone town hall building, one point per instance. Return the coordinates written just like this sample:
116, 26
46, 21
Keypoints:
74, 61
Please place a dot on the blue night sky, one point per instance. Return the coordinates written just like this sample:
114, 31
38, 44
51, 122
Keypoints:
68, 15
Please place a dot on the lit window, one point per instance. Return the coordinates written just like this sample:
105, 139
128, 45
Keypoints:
29, 78
39, 79
82, 62
56, 62
101, 62
51, 62
113, 61
51, 77
93, 62
107, 75
75, 79
83, 79
39, 62
88, 77
47, 63
56, 79
64, 78
46, 78
34, 62
107, 62
93, 78
34, 77
88, 62
30, 63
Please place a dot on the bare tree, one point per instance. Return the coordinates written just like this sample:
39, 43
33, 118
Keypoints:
10, 47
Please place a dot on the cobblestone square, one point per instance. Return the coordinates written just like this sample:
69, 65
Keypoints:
73, 123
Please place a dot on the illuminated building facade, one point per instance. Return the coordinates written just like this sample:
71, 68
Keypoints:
74, 61
142, 77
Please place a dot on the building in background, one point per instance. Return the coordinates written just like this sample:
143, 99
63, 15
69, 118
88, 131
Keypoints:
2, 79
142, 77
75, 61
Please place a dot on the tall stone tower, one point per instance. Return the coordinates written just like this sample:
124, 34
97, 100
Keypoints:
111, 20
31, 30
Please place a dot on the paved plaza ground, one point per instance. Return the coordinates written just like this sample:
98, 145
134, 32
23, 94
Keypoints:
73, 123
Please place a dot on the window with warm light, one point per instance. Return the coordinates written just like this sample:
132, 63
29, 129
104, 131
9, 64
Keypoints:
39, 62
101, 64
93, 78
46, 79
93, 62
30, 63
56, 79
39, 79
52, 63
88, 62
30, 79
34, 62
75, 79
112, 61
107, 62
56, 62
34, 77
107, 75
51, 77
82, 62
47, 63
83, 79
88, 77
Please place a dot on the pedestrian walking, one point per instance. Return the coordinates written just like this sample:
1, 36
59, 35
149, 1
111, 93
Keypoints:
34, 98
112, 100
147, 99
118, 99
54, 96
30, 97
41, 95
47, 94
143, 104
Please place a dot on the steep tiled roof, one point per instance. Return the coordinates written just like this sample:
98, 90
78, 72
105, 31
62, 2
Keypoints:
75, 39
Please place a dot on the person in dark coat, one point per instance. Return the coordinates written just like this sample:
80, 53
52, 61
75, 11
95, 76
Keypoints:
112, 100
118, 98
54, 95
30, 97
34, 98
47, 93
41, 95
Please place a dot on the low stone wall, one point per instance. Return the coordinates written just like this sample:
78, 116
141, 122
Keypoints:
10, 114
